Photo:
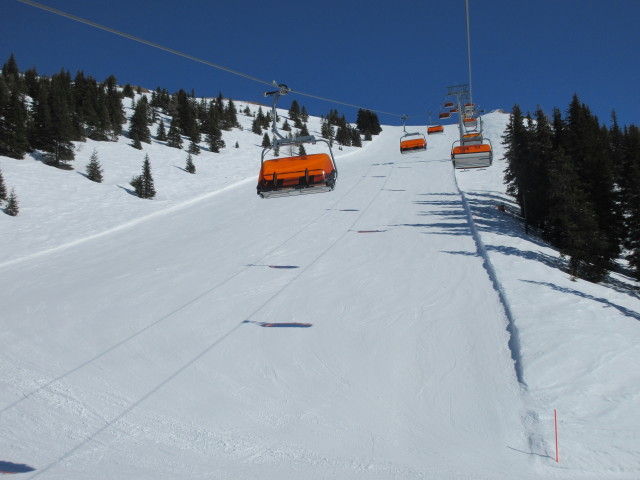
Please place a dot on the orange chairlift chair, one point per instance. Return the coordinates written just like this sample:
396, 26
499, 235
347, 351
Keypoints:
472, 150
470, 117
411, 141
472, 156
298, 174
434, 128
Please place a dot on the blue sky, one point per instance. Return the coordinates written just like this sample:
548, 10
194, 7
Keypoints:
391, 56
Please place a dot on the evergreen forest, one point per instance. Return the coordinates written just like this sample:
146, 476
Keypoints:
577, 184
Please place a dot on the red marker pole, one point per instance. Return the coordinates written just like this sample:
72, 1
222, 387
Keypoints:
555, 421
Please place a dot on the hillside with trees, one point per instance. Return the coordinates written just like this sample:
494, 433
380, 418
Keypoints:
577, 182
44, 115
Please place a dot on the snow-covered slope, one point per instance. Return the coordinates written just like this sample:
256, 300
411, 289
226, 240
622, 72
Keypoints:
411, 331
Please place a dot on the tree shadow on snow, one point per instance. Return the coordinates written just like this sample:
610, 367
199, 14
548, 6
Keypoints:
486, 216
608, 303
130, 191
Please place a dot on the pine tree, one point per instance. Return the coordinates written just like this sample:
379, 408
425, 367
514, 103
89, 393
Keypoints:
301, 150
294, 110
295, 114
136, 141
31, 80
191, 168
368, 123
326, 131
230, 118
265, 141
193, 149
515, 140
94, 169
356, 141
260, 121
127, 91
587, 143
343, 136
304, 116
534, 175
161, 134
13, 123
237, 145
11, 75
3, 188
113, 103
40, 132
256, 126
572, 224
214, 139
103, 128
139, 126
188, 116
285, 126
13, 207
60, 149
174, 139
631, 196
143, 184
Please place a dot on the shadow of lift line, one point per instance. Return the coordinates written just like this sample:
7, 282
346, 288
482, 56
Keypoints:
273, 266
280, 325
12, 468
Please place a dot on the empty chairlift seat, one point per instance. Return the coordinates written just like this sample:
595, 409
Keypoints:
473, 138
478, 155
297, 175
435, 129
470, 123
418, 143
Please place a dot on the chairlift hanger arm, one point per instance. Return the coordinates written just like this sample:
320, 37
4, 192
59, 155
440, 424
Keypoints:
282, 90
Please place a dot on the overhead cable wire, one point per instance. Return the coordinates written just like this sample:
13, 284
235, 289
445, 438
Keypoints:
469, 51
141, 40
195, 59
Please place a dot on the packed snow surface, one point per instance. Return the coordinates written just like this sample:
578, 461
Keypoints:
399, 327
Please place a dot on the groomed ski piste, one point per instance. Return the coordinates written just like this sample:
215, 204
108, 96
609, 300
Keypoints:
399, 327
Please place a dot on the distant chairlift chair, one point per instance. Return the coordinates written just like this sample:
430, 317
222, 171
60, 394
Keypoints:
434, 128
411, 141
